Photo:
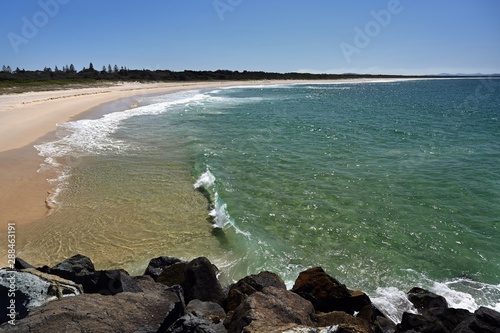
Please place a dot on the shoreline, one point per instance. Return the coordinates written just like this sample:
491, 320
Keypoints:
29, 118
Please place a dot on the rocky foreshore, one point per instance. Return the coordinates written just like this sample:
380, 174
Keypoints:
177, 296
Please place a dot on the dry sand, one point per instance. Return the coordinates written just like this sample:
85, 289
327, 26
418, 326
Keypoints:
27, 117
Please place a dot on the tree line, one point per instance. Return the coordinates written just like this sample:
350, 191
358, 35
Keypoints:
68, 74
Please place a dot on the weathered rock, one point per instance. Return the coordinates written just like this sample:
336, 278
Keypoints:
176, 312
484, 320
306, 329
124, 312
423, 299
420, 323
201, 282
343, 320
156, 266
112, 282
200, 317
208, 310
379, 322
173, 274
29, 289
79, 269
356, 301
449, 318
251, 284
21, 264
190, 323
268, 310
327, 294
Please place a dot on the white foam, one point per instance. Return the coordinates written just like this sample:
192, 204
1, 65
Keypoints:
392, 302
467, 294
219, 213
206, 179
90, 137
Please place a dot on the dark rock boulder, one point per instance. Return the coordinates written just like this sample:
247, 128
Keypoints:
21, 291
124, 312
21, 264
251, 284
156, 266
208, 310
344, 321
79, 269
173, 274
484, 320
201, 282
269, 310
200, 317
327, 294
112, 282
378, 322
412, 322
423, 299
450, 318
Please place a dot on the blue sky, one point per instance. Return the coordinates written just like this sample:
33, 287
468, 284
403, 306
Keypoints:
333, 36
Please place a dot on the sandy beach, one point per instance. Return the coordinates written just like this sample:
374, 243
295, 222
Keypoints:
27, 117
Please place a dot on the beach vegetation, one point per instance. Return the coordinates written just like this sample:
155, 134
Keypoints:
21, 80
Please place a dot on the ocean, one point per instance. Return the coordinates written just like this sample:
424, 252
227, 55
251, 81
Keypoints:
386, 185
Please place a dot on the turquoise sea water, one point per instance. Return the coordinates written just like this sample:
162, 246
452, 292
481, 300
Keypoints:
386, 185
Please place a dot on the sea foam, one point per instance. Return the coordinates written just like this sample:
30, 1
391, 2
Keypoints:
219, 213
91, 137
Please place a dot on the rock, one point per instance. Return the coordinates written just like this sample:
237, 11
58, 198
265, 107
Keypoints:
208, 310
251, 284
306, 329
112, 282
201, 282
412, 322
200, 317
356, 301
156, 266
449, 318
124, 312
484, 320
378, 322
176, 312
29, 289
268, 310
343, 320
423, 299
190, 323
21, 264
327, 294
79, 269
173, 274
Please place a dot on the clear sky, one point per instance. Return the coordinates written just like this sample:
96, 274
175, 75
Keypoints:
331, 36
